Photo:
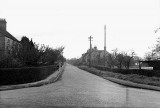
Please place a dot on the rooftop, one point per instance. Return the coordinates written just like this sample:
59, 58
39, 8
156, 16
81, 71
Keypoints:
2, 19
7, 34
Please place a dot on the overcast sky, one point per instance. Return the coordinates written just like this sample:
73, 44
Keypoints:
130, 23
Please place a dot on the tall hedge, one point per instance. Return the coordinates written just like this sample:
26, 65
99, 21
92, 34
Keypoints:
10, 76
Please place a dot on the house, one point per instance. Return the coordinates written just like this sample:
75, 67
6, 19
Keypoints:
7, 41
97, 57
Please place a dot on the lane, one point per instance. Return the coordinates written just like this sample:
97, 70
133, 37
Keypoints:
80, 88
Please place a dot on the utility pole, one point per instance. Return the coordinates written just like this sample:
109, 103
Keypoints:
90, 39
104, 45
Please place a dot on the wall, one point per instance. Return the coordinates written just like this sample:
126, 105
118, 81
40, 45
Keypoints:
8, 45
2, 44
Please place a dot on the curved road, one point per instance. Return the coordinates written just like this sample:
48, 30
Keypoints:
78, 88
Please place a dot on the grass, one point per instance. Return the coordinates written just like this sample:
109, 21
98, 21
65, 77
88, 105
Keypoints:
141, 79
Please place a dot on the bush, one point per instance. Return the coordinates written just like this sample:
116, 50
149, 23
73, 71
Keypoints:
7, 61
149, 73
29, 54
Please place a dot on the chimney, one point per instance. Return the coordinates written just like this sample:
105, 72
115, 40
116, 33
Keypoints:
3, 24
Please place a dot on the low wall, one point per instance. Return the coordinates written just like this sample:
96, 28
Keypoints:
11, 76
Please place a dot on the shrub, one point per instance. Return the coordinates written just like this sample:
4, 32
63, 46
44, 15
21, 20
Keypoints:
29, 54
7, 61
149, 73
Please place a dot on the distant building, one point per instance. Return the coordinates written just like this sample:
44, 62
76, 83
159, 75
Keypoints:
97, 57
7, 41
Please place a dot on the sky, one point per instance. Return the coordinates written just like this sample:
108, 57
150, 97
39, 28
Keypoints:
130, 24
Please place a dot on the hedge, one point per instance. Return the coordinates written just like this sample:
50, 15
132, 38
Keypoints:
149, 73
113, 76
11, 76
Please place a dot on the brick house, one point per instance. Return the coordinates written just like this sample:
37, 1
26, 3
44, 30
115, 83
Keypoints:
7, 41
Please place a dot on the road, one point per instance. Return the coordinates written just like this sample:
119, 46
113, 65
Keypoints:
79, 88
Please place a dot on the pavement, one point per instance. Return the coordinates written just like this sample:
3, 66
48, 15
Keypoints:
78, 88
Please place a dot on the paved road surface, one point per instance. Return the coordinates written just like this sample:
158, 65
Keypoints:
79, 88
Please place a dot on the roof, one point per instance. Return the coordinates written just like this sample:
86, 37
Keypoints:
92, 51
3, 20
7, 34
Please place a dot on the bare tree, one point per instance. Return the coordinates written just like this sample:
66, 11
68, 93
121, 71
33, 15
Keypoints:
120, 59
150, 55
117, 58
110, 60
128, 59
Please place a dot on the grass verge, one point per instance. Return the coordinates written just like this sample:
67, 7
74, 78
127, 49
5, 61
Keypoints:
140, 79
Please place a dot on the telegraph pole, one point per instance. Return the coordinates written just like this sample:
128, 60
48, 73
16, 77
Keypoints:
104, 45
90, 39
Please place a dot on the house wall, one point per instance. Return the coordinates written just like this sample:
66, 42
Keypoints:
8, 45
94, 57
2, 44
102, 54
97, 57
